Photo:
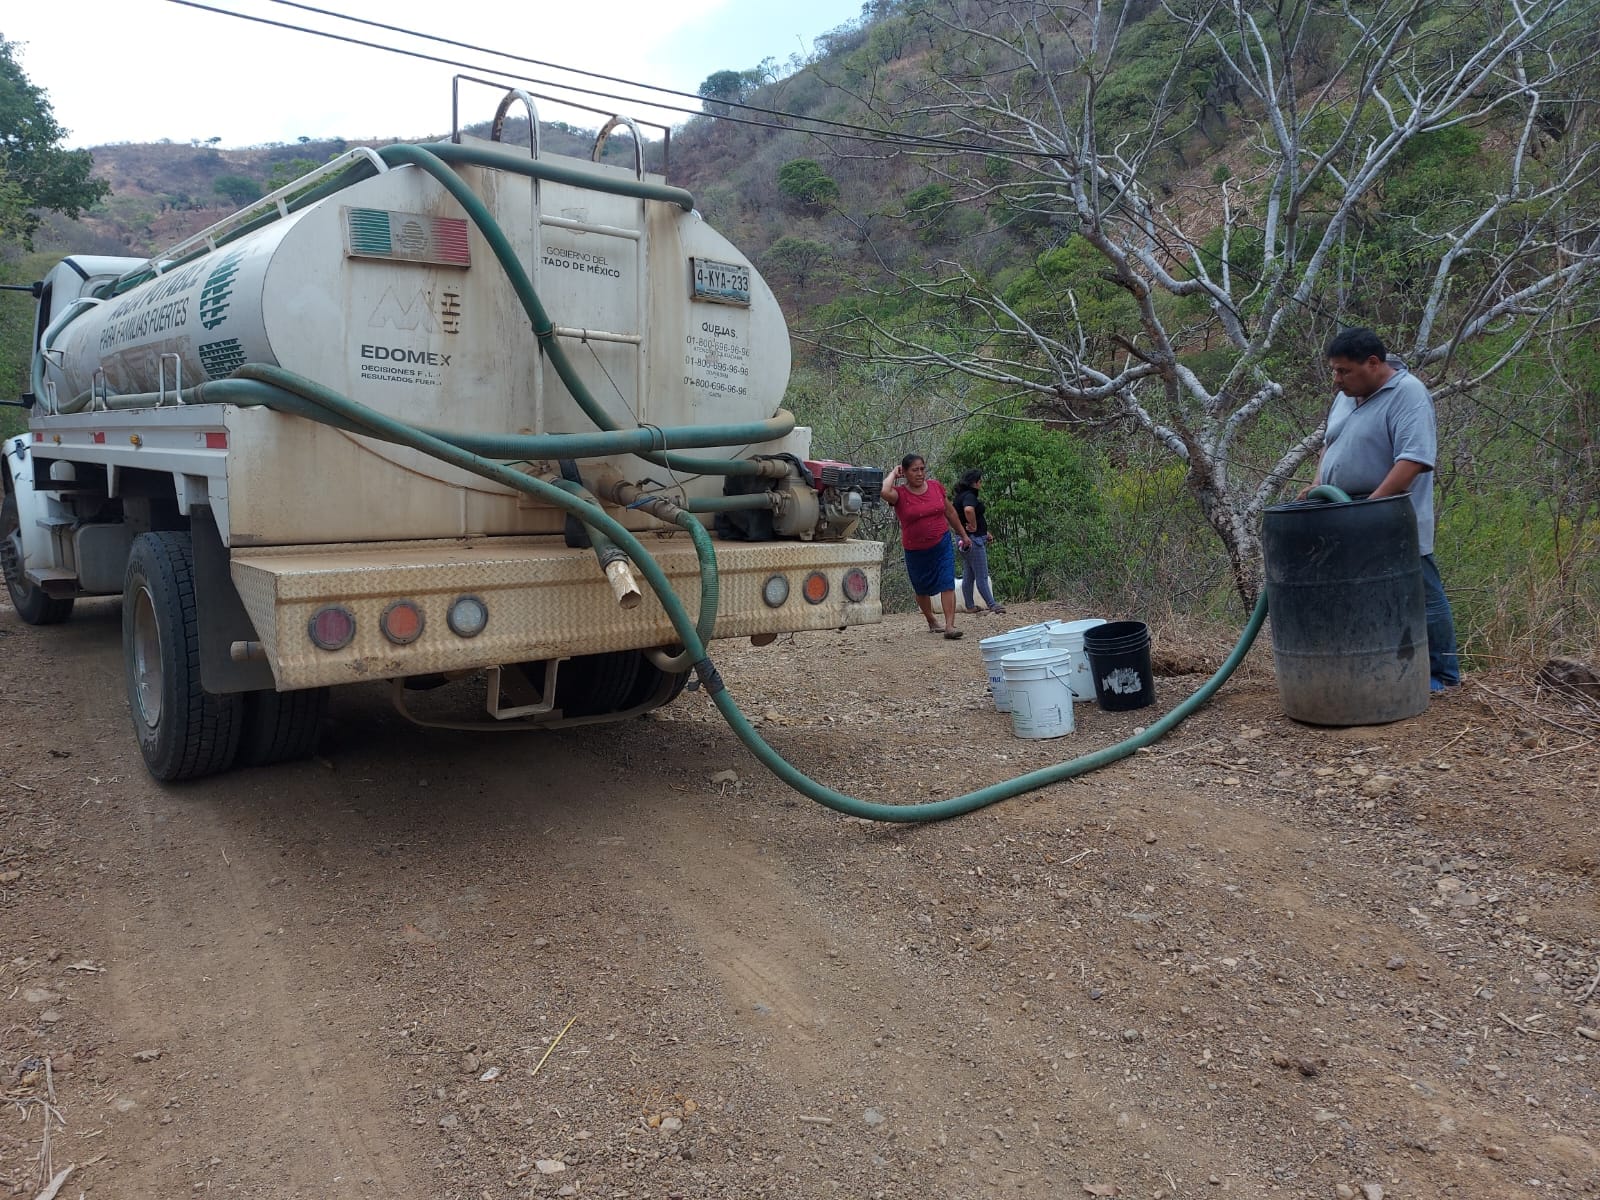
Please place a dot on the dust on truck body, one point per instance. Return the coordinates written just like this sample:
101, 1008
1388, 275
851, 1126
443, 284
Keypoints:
265, 554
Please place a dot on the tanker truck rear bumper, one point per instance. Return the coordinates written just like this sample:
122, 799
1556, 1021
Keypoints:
343, 613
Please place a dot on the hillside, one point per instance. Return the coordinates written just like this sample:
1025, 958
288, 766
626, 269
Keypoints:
969, 229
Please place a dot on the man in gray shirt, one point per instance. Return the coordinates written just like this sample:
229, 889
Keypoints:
1382, 440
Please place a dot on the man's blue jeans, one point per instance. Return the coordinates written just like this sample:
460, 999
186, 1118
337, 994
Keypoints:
1442, 662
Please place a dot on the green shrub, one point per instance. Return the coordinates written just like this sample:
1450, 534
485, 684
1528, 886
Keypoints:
1041, 488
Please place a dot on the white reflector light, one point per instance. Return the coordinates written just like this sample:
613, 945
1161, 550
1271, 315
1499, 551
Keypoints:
467, 616
775, 591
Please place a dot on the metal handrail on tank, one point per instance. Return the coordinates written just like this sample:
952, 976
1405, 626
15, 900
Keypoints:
638, 143
174, 255
497, 127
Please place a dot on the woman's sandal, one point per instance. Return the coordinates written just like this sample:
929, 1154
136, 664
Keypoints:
998, 608
972, 612
952, 635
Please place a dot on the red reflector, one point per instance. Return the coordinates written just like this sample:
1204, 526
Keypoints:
38, 437
99, 439
216, 441
856, 585
332, 628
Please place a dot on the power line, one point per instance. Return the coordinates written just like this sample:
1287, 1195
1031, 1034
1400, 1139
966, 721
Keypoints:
860, 133
537, 62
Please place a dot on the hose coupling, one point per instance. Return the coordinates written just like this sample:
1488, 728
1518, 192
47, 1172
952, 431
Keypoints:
624, 586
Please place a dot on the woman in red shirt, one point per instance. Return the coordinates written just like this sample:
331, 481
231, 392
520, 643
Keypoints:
929, 533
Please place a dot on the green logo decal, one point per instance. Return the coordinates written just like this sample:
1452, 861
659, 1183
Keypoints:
218, 287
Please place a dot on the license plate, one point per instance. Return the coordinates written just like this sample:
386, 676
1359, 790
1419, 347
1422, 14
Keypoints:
720, 282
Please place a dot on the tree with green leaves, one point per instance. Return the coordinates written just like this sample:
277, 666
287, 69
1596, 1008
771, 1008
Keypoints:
1428, 169
285, 173
36, 173
805, 184
723, 87
1041, 490
797, 258
238, 189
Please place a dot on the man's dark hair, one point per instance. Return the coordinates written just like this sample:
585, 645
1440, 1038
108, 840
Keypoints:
1358, 345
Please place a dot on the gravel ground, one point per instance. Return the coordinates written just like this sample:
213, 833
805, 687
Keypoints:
1259, 959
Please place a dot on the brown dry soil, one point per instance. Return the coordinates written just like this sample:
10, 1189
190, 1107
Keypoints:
1258, 960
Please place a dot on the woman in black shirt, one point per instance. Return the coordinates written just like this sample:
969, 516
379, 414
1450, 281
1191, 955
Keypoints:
975, 554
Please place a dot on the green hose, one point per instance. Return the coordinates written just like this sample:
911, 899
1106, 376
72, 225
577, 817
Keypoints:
539, 168
717, 504
320, 403
596, 518
503, 446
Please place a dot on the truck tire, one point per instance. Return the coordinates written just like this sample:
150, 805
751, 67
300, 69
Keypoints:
32, 603
281, 726
184, 732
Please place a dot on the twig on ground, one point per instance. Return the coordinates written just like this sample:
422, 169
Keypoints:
809, 1120
1525, 1028
1228, 766
1560, 750
1589, 991
553, 1045
1531, 710
1455, 739
1184, 749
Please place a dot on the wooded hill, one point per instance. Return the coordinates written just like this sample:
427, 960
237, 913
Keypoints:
1097, 248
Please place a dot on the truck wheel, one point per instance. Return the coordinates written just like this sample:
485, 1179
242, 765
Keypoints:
32, 603
281, 726
184, 731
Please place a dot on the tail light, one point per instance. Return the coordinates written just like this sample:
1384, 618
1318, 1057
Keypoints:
332, 627
856, 585
815, 589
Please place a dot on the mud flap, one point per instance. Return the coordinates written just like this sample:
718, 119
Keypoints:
221, 616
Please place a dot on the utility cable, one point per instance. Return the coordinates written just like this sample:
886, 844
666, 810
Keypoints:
909, 141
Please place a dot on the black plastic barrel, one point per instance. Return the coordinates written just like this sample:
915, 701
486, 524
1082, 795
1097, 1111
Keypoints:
1349, 625
1119, 660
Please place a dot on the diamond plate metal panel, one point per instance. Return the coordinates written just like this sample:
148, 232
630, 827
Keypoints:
544, 599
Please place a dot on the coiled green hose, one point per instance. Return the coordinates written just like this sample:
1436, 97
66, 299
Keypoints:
595, 517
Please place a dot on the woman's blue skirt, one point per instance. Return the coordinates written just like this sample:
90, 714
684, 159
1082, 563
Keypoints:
933, 571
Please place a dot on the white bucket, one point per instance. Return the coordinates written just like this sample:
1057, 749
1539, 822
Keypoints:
1029, 637
1068, 635
1037, 682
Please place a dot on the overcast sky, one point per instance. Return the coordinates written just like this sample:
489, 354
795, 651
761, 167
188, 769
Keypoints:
143, 70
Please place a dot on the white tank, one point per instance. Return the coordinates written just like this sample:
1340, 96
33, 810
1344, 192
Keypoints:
387, 293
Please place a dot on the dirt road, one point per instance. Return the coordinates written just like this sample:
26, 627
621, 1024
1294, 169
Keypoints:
1259, 960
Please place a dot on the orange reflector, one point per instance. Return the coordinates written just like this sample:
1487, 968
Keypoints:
815, 588
401, 622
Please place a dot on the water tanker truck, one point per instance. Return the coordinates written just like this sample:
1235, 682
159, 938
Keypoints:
362, 431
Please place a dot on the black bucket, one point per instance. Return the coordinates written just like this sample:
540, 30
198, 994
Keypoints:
1349, 621
1119, 660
